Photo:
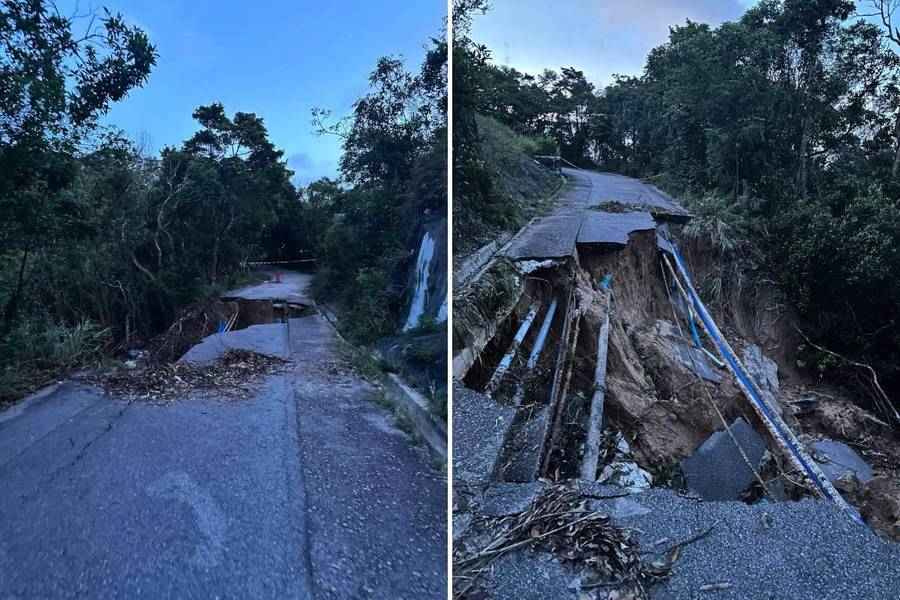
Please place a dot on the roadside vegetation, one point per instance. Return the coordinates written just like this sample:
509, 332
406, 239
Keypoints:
103, 245
781, 131
394, 177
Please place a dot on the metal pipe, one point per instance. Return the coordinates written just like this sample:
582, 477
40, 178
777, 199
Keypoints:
595, 421
507, 359
542, 336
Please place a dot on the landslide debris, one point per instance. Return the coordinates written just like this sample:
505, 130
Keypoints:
231, 376
564, 522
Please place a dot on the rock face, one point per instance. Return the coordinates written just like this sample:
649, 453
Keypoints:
427, 276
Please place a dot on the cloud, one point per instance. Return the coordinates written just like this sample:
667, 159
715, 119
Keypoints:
601, 37
301, 161
652, 18
308, 169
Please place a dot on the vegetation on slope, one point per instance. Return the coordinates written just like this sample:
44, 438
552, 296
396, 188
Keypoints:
395, 157
497, 185
785, 124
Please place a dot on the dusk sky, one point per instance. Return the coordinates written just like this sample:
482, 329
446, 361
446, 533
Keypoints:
277, 58
600, 37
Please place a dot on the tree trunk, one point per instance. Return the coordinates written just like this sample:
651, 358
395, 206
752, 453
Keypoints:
215, 261
896, 166
802, 176
12, 305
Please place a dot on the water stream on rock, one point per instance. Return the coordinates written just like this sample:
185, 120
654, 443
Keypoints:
423, 264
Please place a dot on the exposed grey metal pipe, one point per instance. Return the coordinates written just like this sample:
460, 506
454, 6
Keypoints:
595, 421
507, 359
542, 335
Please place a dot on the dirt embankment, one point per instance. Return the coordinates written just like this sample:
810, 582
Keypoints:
664, 396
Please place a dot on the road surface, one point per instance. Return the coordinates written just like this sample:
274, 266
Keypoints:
304, 490
580, 215
290, 286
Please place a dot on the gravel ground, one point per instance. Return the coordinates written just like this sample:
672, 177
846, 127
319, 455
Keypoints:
769, 551
479, 428
805, 550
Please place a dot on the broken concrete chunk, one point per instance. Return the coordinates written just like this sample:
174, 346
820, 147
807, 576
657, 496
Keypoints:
503, 499
627, 475
717, 471
764, 372
838, 460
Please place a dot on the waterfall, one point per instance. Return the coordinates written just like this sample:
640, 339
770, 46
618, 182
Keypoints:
442, 312
423, 262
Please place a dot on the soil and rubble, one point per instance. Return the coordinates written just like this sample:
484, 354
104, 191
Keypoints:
680, 442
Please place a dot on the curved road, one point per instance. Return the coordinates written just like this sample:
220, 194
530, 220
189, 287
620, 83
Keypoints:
304, 490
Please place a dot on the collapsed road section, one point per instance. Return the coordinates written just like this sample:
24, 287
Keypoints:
302, 486
585, 360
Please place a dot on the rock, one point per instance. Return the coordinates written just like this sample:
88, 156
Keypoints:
764, 372
881, 505
717, 471
627, 475
838, 460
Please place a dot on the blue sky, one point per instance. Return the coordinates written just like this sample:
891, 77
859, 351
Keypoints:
277, 58
600, 37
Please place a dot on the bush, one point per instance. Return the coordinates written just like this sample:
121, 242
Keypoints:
37, 349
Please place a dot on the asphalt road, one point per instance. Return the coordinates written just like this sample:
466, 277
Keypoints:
578, 210
305, 490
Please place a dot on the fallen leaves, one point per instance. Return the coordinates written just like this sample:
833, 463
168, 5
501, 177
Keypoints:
231, 376
562, 522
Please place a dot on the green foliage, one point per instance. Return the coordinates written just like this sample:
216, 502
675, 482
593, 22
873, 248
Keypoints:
782, 129
395, 157
55, 84
37, 348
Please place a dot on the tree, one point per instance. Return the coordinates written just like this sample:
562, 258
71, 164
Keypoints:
53, 87
236, 183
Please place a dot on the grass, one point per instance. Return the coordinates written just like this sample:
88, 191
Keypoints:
520, 188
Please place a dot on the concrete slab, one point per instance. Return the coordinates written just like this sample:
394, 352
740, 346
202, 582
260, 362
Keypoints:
522, 452
838, 460
717, 471
480, 426
612, 187
502, 498
270, 339
601, 227
550, 237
